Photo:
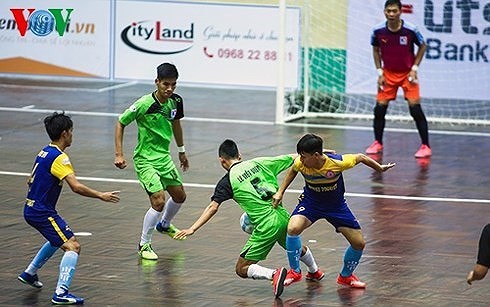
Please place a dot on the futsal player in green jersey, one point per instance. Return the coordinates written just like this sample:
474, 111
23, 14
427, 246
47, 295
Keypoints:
251, 184
157, 116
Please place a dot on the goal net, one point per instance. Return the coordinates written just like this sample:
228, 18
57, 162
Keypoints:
338, 76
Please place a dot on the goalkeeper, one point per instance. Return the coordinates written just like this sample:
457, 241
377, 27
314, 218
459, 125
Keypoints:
393, 44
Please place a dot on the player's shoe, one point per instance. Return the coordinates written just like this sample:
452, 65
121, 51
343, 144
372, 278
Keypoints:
351, 281
171, 231
423, 152
278, 281
317, 276
374, 148
66, 299
31, 280
292, 277
146, 252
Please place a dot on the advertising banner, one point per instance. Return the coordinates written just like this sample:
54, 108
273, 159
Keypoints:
210, 43
64, 38
457, 61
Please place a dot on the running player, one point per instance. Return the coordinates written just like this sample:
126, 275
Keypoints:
158, 117
483, 260
51, 167
251, 184
393, 44
323, 198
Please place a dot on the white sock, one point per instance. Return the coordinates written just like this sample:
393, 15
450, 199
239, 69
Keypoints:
149, 222
256, 271
310, 262
169, 212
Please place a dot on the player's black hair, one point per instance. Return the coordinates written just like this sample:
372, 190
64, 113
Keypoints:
167, 71
393, 2
228, 150
56, 123
309, 143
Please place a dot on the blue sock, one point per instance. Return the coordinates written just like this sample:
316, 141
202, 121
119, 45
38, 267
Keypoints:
351, 260
293, 247
43, 255
67, 269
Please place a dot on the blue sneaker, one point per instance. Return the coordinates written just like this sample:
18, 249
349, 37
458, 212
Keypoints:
31, 280
66, 299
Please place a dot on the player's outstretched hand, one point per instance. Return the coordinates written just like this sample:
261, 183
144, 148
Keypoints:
386, 167
181, 235
112, 197
276, 199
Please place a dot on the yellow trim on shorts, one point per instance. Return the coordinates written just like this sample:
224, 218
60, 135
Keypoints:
57, 228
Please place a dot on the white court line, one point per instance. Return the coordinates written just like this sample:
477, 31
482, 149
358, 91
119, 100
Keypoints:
113, 87
251, 122
212, 186
71, 89
51, 88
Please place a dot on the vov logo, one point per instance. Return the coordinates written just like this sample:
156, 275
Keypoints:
41, 22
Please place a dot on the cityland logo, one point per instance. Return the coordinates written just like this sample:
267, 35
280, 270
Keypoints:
153, 38
41, 22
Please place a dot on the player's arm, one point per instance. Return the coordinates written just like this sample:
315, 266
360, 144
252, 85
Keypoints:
418, 58
79, 188
378, 65
119, 160
206, 215
290, 175
179, 140
368, 161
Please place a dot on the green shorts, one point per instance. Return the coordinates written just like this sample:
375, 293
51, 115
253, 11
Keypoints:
154, 180
265, 235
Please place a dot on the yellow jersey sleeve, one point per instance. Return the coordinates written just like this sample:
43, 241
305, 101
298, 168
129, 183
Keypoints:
297, 165
62, 167
348, 161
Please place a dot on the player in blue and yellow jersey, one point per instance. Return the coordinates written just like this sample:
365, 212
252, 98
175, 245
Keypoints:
51, 167
394, 44
480, 269
251, 185
157, 116
323, 198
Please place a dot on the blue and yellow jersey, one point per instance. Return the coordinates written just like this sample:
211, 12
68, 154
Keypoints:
326, 185
51, 166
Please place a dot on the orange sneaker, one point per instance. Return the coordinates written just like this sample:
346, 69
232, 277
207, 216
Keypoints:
424, 151
351, 281
374, 148
292, 277
278, 281
317, 276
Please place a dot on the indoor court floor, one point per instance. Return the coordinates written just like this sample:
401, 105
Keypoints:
421, 220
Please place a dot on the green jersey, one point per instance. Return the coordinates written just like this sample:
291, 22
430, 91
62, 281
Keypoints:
155, 131
251, 184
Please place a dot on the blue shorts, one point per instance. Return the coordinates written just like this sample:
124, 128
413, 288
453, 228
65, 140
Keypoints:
339, 215
53, 227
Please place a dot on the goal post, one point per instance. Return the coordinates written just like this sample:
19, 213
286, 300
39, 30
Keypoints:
338, 77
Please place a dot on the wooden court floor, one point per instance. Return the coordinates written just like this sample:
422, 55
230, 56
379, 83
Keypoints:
421, 220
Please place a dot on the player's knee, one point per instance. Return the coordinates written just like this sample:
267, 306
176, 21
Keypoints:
180, 199
359, 243
416, 112
72, 245
380, 110
241, 271
294, 230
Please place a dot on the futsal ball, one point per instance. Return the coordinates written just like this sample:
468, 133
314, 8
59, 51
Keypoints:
245, 223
